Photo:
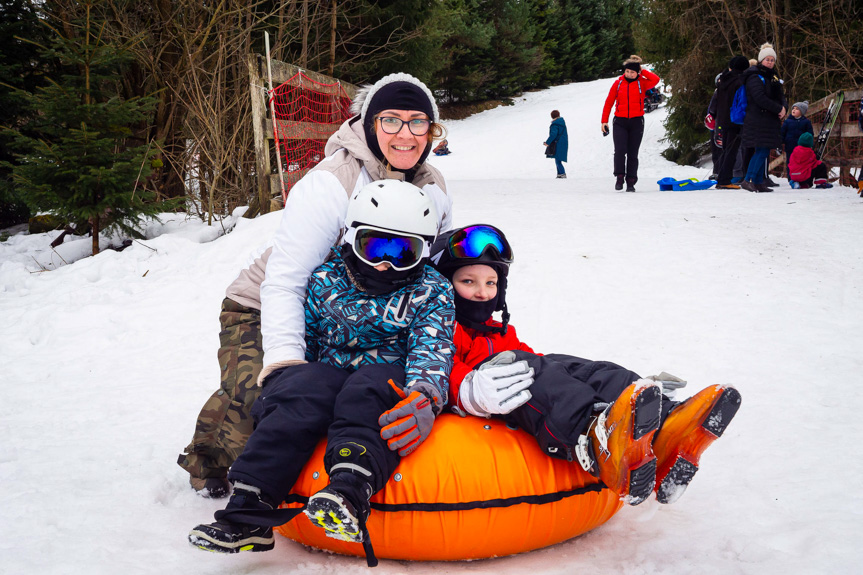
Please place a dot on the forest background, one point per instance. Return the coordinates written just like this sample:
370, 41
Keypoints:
115, 109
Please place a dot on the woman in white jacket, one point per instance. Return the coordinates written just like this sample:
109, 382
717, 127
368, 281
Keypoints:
389, 137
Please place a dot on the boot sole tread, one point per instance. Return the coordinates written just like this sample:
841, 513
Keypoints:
675, 482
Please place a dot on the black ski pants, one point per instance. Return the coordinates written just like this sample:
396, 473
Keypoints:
627, 140
564, 392
302, 404
730, 147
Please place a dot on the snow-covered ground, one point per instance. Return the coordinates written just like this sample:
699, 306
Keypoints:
106, 363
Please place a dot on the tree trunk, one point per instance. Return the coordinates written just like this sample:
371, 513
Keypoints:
94, 230
333, 22
304, 22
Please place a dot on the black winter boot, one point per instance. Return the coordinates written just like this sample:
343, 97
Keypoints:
342, 507
225, 536
630, 184
618, 185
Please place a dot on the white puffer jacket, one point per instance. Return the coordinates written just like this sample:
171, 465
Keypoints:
313, 222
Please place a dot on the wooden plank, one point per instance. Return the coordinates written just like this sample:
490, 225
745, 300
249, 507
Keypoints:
262, 146
282, 72
300, 130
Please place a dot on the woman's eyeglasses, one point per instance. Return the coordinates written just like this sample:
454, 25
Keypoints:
417, 126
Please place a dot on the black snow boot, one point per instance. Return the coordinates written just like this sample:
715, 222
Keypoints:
342, 508
618, 185
224, 536
630, 184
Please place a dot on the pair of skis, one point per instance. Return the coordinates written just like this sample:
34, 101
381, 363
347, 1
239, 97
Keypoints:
827, 127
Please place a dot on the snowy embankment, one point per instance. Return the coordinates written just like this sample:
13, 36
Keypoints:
107, 362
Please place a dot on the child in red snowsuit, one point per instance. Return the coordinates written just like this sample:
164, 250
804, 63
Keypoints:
615, 424
804, 167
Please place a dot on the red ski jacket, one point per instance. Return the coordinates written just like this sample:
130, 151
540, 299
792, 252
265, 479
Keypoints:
629, 95
801, 162
472, 347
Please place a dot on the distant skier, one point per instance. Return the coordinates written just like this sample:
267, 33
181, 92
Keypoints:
627, 95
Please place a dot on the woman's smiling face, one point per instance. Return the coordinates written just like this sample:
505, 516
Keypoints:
402, 149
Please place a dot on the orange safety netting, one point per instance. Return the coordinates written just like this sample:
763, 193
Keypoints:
307, 113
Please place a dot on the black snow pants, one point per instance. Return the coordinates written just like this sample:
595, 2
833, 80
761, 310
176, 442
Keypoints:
303, 404
730, 146
564, 392
627, 139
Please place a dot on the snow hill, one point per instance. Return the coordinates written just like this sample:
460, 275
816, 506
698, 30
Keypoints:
106, 362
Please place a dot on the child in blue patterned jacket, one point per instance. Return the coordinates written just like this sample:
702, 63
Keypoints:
379, 350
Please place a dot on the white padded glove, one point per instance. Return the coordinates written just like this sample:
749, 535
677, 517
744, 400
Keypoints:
497, 387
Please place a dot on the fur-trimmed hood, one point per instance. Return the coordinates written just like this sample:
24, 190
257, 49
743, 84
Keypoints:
365, 94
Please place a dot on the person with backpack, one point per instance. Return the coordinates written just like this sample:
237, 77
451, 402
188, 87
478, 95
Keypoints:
627, 95
727, 131
765, 109
557, 136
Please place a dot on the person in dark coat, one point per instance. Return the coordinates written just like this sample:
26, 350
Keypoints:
557, 133
794, 126
765, 110
727, 131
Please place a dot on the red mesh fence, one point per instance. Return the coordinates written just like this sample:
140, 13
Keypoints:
307, 113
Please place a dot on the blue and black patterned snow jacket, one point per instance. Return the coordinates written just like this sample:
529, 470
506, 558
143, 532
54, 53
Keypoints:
412, 326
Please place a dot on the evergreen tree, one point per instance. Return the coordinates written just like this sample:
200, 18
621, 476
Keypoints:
86, 162
466, 70
20, 69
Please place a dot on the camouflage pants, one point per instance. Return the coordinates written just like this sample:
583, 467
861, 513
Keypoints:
224, 423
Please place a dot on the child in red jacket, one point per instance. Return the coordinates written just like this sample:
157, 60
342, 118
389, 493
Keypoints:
618, 426
804, 168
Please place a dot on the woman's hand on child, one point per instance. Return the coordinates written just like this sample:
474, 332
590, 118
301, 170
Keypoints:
497, 387
408, 423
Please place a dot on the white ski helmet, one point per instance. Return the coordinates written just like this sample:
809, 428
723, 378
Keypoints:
392, 206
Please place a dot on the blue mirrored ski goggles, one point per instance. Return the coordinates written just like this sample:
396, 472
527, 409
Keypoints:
472, 241
375, 246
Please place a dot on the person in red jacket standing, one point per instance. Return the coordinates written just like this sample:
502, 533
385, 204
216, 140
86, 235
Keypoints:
628, 93
615, 424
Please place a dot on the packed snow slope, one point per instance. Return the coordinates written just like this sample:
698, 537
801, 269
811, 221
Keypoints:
107, 361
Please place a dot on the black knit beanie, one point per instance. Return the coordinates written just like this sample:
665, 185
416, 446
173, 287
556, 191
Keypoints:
632, 66
739, 63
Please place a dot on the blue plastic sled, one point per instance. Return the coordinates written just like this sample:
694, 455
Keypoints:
670, 184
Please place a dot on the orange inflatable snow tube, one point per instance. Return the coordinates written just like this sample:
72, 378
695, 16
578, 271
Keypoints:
474, 490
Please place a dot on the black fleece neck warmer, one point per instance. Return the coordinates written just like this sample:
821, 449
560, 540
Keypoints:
375, 282
469, 311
